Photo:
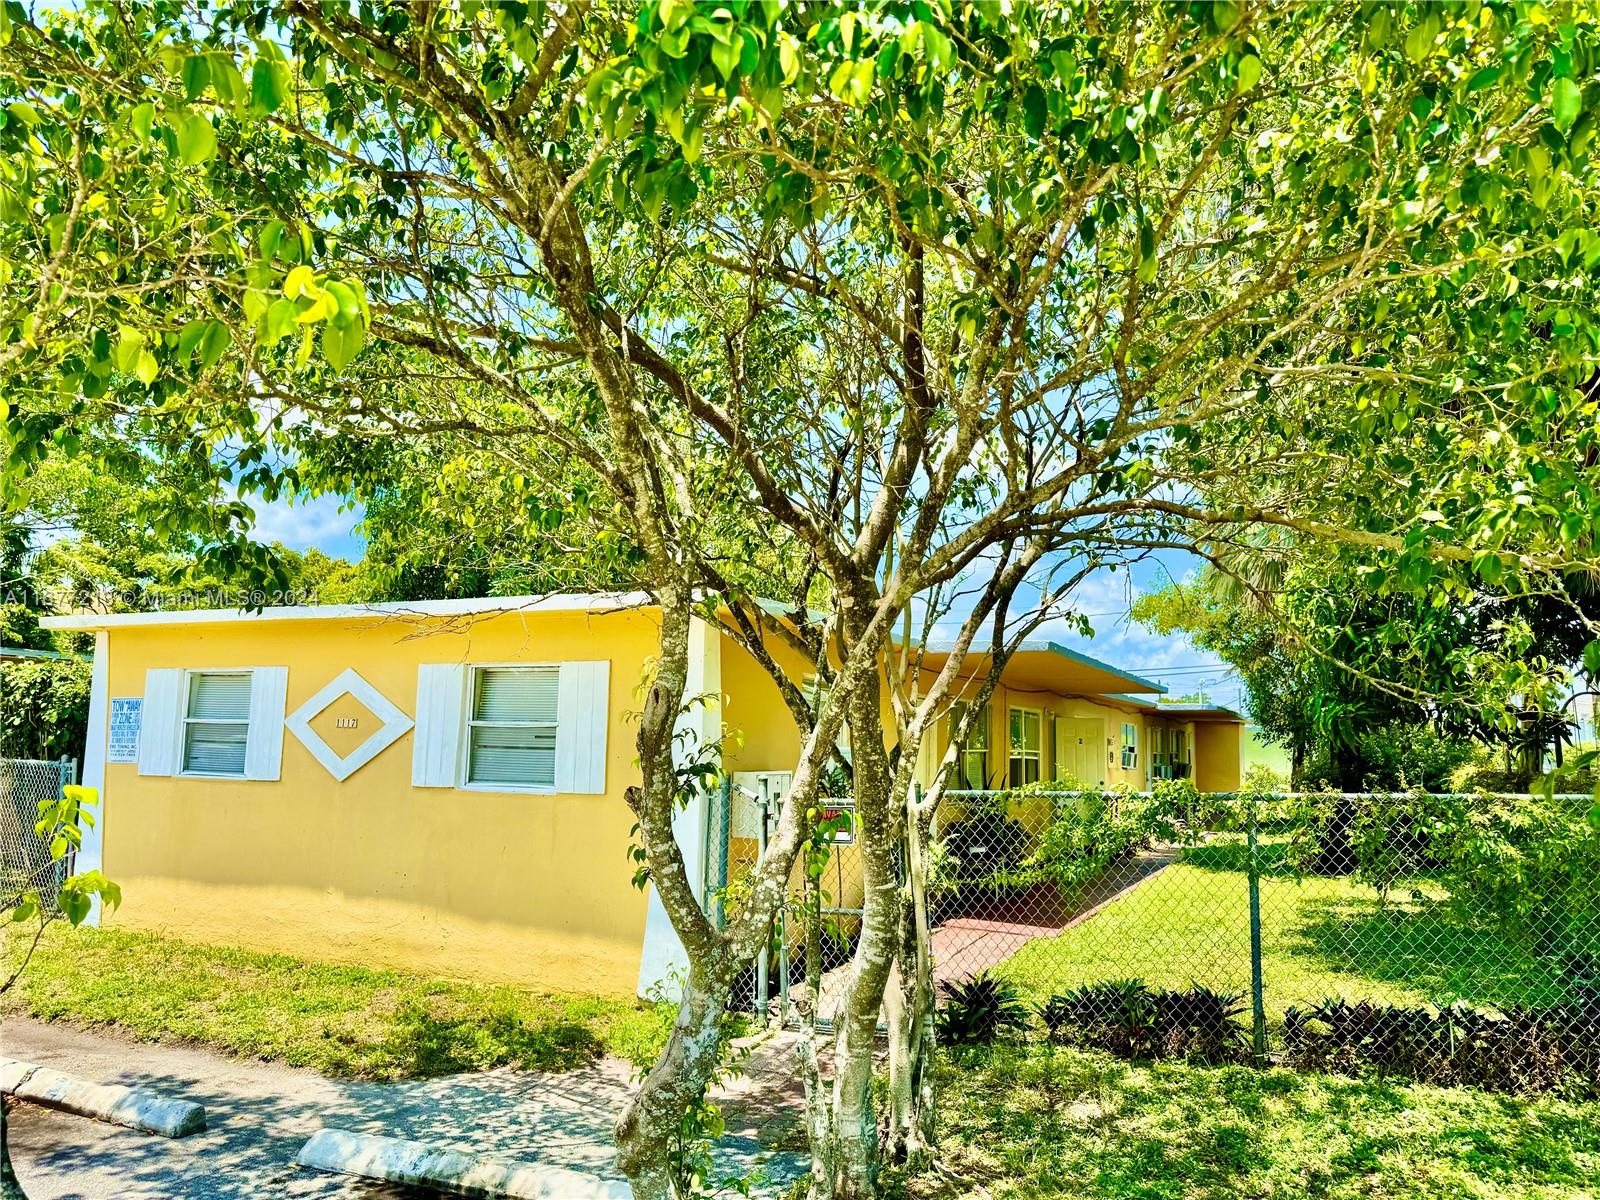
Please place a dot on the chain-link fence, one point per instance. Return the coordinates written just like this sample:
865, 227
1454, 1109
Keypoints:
1448, 937
25, 860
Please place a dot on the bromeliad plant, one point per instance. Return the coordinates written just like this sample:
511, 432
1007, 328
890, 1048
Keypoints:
1521, 1050
1131, 1020
981, 1009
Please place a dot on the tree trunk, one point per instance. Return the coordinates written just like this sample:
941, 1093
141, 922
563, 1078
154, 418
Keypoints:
649, 1134
10, 1188
910, 1124
849, 1156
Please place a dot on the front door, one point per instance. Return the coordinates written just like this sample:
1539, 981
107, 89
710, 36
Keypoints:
1081, 750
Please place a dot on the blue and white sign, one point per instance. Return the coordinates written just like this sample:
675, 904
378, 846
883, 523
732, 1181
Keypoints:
127, 712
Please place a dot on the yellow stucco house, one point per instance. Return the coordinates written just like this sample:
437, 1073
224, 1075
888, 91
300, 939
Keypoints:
437, 785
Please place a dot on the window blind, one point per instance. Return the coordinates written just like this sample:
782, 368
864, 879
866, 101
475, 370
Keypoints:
512, 740
516, 694
216, 725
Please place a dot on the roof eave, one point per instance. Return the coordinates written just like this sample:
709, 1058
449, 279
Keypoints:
1140, 683
393, 610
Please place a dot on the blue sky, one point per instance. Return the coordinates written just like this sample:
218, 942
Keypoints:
325, 523
328, 525
1106, 597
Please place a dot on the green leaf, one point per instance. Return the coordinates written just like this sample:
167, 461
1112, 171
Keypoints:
146, 368
341, 343
196, 75
267, 242
269, 83
1419, 42
1487, 77
141, 117
349, 309
216, 341
1591, 658
1566, 102
1249, 73
302, 281
789, 57
74, 906
1034, 111
279, 320
190, 337
226, 80
125, 355
197, 139
725, 57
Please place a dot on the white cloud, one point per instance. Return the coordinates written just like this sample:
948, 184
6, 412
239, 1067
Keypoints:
324, 522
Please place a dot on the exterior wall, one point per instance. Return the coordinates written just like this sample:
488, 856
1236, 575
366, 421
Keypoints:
760, 732
528, 889
1217, 752
1255, 750
762, 736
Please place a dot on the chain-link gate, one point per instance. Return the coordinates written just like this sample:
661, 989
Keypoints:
25, 861
1454, 937
740, 818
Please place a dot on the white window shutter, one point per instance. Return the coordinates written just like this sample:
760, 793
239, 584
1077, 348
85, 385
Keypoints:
436, 740
160, 721
582, 712
263, 749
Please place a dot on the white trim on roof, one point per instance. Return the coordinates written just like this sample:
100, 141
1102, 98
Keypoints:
557, 602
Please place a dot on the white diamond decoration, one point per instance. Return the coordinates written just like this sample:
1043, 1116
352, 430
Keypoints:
393, 723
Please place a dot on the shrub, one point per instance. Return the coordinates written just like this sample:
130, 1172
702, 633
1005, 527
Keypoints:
984, 845
1521, 1050
980, 1009
986, 850
1533, 864
44, 707
1131, 1020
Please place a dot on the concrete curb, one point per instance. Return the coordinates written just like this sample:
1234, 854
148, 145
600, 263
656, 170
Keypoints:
396, 1160
141, 1110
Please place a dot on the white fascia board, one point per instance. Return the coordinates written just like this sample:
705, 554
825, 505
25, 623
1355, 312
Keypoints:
391, 610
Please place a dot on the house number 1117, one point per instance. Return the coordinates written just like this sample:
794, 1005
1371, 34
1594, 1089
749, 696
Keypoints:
345, 723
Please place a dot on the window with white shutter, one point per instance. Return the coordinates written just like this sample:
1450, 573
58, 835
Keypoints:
511, 727
216, 723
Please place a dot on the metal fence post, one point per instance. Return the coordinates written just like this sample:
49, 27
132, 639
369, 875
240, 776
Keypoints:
1258, 1006
762, 987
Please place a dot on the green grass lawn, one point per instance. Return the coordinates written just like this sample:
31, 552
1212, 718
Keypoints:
1021, 1122
340, 1020
1321, 937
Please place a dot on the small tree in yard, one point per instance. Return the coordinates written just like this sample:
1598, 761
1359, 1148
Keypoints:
31, 903
856, 308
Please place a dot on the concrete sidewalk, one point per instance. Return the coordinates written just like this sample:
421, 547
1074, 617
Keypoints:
261, 1114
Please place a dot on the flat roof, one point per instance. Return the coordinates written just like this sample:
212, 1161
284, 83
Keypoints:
1184, 709
24, 652
1038, 662
555, 602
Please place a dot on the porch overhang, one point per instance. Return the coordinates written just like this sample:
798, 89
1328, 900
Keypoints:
1048, 667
